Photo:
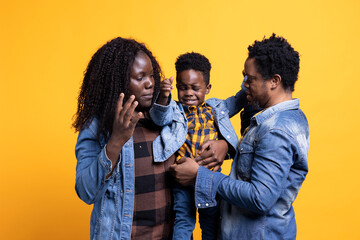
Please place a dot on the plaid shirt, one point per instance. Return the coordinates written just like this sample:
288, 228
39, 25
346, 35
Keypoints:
201, 127
153, 218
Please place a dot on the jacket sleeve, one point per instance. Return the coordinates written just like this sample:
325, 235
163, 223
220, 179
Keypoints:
92, 167
163, 115
273, 158
236, 103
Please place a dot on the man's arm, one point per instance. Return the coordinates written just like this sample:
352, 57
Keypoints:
272, 159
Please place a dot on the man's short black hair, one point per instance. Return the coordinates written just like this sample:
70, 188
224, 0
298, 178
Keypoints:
275, 55
194, 61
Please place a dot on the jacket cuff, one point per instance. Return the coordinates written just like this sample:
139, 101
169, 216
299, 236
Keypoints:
106, 162
206, 187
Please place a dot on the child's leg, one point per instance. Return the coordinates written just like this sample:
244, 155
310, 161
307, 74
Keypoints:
209, 222
185, 212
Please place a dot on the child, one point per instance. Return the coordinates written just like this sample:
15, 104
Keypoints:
192, 121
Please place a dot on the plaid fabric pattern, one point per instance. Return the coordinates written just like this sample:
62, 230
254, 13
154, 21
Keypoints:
153, 204
201, 127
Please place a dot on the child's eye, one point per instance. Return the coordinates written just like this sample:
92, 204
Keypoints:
139, 78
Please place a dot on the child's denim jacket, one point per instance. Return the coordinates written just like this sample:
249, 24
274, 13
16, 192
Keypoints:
172, 118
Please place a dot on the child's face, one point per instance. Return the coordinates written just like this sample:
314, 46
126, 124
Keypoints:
191, 87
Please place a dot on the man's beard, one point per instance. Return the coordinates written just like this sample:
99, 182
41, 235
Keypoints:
255, 104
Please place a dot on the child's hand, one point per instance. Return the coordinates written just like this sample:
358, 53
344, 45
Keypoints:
165, 90
166, 87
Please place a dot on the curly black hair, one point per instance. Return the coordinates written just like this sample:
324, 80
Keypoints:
107, 75
194, 61
276, 56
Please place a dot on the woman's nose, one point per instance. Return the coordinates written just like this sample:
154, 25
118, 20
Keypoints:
149, 82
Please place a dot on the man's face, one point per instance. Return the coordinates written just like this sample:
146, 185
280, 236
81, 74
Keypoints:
257, 87
141, 83
191, 87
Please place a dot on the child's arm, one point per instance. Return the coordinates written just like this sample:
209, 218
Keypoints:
162, 111
236, 103
165, 90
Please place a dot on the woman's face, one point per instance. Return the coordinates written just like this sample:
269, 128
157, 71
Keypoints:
142, 82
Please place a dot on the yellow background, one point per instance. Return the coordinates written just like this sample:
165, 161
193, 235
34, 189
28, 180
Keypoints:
45, 47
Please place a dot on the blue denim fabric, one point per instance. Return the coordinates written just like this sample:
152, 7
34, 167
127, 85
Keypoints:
174, 122
113, 198
266, 175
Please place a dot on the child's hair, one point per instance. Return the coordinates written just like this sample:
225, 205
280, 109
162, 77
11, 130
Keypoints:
194, 61
274, 55
107, 75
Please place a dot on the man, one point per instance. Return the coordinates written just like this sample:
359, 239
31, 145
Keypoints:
271, 162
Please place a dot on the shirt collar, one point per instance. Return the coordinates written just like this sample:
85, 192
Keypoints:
280, 107
194, 108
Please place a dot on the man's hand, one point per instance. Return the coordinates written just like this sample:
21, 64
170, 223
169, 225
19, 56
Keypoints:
185, 171
165, 90
212, 154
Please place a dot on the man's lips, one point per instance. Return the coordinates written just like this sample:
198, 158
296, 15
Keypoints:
248, 95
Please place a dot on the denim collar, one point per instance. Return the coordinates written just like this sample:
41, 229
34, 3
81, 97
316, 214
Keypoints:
280, 107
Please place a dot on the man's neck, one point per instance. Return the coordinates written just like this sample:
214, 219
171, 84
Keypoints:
276, 99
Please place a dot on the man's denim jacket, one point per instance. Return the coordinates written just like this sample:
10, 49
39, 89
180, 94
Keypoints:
113, 198
266, 175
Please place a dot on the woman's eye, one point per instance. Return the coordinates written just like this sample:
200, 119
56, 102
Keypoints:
139, 78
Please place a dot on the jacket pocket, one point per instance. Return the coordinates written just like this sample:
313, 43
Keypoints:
245, 161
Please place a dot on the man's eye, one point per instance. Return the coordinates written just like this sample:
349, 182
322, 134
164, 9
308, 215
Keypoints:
196, 89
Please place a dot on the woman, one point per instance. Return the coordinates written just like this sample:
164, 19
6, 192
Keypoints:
116, 169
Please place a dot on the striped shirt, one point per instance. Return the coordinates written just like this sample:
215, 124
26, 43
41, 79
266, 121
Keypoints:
153, 204
201, 127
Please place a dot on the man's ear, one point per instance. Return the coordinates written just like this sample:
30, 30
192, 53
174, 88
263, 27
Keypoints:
275, 81
208, 88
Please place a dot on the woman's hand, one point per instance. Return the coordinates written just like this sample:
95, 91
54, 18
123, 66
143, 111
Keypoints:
212, 154
125, 121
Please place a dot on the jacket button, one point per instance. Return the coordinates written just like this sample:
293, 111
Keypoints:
222, 112
228, 136
199, 205
206, 204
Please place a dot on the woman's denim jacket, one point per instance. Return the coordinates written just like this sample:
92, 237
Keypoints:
113, 198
